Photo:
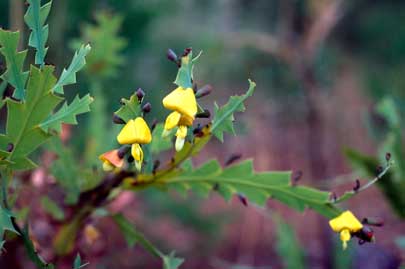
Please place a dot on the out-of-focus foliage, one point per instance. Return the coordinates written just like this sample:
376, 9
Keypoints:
288, 247
393, 184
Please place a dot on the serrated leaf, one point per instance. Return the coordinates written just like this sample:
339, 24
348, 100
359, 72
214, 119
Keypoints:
23, 119
5, 221
35, 18
184, 76
52, 208
67, 113
223, 119
171, 261
130, 109
257, 187
68, 76
15, 62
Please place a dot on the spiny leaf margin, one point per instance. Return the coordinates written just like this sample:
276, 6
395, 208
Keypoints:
223, 119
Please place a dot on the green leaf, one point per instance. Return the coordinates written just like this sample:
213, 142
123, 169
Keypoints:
130, 109
5, 221
160, 143
288, 247
106, 56
257, 187
388, 110
68, 76
171, 261
23, 119
15, 62
67, 113
35, 18
223, 119
133, 236
184, 76
52, 208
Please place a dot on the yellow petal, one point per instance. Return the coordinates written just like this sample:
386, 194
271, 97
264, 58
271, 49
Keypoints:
138, 165
346, 220
135, 131
107, 166
137, 152
181, 100
182, 131
143, 132
172, 120
345, 237
185, 120
179, 143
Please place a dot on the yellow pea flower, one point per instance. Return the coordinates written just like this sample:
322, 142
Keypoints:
183, 101
135, 132
346, 224
184, 104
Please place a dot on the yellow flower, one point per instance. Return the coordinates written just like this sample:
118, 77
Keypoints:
184, 105
346, 224
135, 132
111, 160
183, 101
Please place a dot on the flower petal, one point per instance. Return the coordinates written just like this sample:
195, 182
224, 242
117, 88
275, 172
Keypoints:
181, 100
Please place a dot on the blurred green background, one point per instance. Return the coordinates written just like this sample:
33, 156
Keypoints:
321, 67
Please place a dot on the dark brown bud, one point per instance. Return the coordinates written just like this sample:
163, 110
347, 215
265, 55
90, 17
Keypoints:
156, 165
195, 87
153, 125
117, 120
187, 52
172, 56
333, 196
215, 187
243, 199
204, 91
356, 186
147, 107
233, 158
123, 151
10, 147
130, 159
205, 114
378, 222
140, 94
388, 156
198, 131
297, 176
379, 169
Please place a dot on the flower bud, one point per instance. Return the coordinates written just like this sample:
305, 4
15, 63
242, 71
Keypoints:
388, 156
147, 107
233, 158
379, 169
204, 91
140, 94
356, 186
123, 151
117, 120
172, 56
205, 114
10, 147
187, 52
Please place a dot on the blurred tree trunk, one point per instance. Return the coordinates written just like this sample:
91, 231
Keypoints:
57, 39
16, 17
